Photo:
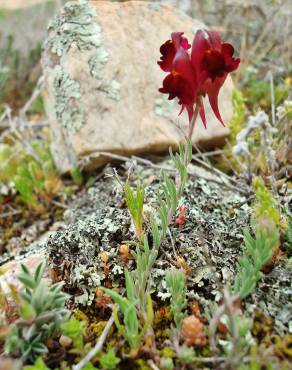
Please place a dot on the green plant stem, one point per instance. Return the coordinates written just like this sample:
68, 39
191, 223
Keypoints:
186, 160
194, 119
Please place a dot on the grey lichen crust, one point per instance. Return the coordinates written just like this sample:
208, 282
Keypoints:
76, 252
112, 89
97, 62
165, 107
100, 223
77, 25
210, 242
68, 108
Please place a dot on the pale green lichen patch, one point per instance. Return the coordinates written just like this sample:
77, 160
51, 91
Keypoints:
68, 109
164, 107
100, 223
76, 25
112, 89
154, 6
97, 62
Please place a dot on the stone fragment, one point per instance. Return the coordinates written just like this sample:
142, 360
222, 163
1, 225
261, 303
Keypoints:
10, 270
102, 82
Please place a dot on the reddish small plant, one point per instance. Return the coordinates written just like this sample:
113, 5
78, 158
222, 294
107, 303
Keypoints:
193, 332
181, 218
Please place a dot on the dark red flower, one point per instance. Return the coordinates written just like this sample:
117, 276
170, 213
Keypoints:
212, 61
181, 81
203, 72
169, 49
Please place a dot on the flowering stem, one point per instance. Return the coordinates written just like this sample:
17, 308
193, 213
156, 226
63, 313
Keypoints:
193, 121
179, 184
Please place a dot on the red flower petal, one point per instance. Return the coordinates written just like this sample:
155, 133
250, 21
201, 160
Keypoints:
203, 73
177, 87
230, 62
178, 40
169, 48
212, 89
168, 52
210, 57
213, 64
214, 40
183, 66
199, 47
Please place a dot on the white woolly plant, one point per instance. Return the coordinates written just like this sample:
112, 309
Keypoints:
42, 313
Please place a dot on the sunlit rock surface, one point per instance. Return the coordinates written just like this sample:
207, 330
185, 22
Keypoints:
102, 82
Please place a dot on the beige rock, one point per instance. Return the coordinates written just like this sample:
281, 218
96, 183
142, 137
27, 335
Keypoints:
10, 270
102, 82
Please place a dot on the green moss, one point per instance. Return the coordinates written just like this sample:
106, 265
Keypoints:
167, 352
80, 315
283, 346
97, 328
142, 365
68, 109
265, 205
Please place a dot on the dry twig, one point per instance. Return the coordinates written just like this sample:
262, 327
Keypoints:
149, 163
97, 347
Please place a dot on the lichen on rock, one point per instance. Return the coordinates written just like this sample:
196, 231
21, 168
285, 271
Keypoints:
68, 109
97, 62
164, 107
112, 89
92, 43
154, 6
76, 25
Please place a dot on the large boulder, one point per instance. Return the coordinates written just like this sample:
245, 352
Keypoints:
102, 82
